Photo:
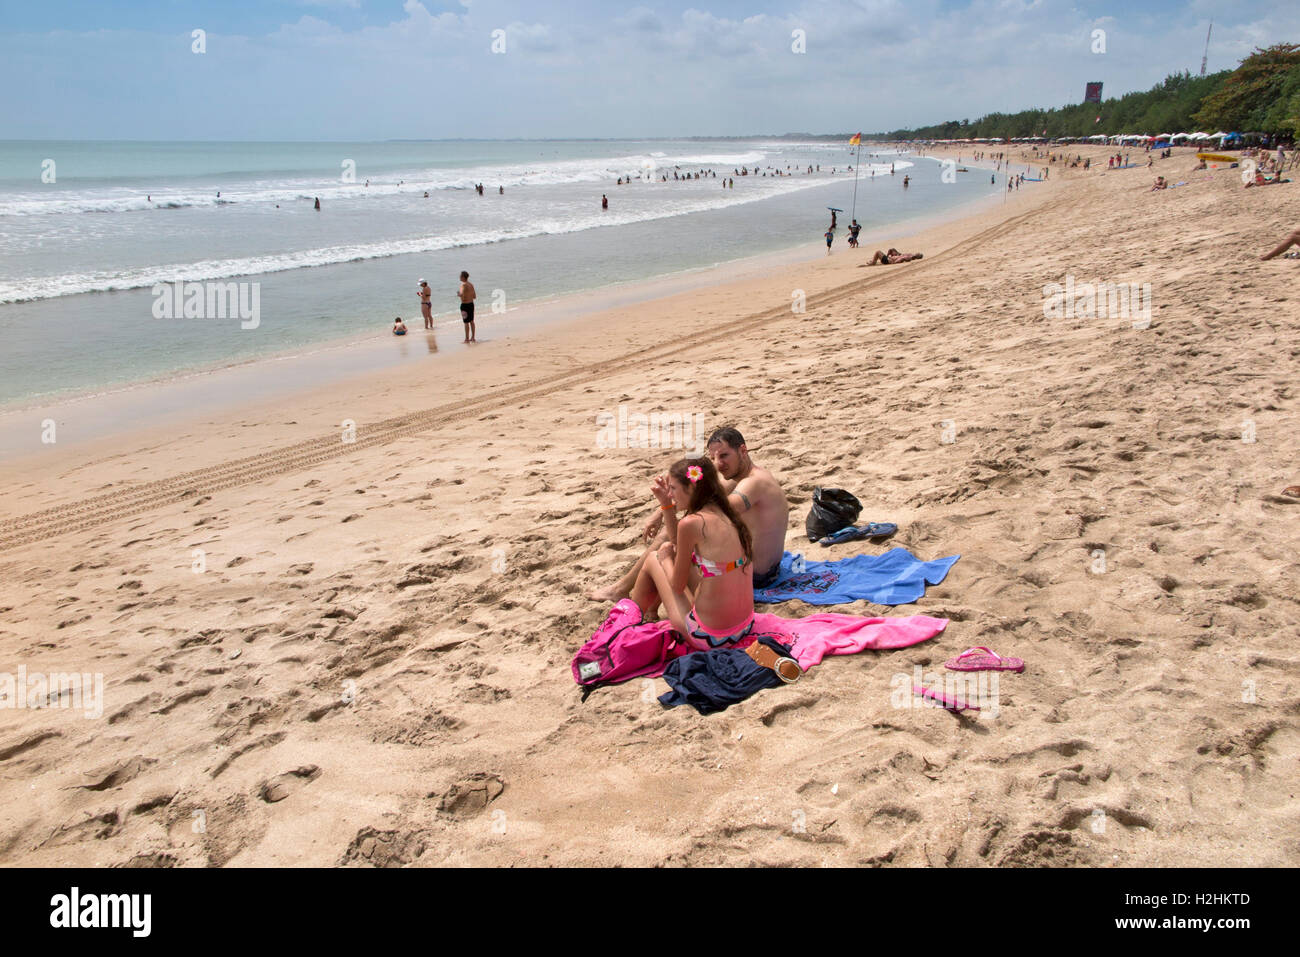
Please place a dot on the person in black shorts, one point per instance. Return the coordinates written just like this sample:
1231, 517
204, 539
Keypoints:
467, 296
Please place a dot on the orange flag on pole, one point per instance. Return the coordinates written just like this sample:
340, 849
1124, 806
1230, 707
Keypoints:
855, 139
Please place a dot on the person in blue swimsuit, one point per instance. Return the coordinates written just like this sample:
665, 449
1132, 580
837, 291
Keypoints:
399, 327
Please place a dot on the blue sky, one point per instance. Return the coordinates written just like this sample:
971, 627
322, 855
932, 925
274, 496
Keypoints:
382, 69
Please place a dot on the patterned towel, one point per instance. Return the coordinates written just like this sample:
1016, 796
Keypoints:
895, 578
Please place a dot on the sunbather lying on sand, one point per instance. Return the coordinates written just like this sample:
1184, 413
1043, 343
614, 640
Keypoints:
891, 257
1262, 180
754, 494
712, 545
1292, 240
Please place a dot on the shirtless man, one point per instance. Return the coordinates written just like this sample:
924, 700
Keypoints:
467, 295
755, 495
426, 309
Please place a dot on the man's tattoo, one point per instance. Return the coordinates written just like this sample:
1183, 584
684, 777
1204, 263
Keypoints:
748, 505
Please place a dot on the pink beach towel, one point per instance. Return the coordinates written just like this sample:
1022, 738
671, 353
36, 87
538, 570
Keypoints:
811, 638
817, 636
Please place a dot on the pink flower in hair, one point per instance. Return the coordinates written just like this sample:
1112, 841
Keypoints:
694, 473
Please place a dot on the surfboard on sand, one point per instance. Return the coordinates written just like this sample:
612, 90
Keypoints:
1217, 157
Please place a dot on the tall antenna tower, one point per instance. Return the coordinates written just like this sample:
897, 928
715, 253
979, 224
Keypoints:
1206, 56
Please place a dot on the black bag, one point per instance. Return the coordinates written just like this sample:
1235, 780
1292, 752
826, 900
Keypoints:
832, 509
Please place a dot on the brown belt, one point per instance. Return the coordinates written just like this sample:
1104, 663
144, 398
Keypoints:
787, 669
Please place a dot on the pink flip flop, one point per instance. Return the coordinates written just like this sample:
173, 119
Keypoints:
968, 660
947, 702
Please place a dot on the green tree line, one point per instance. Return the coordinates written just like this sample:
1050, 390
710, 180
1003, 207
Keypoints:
1261, 95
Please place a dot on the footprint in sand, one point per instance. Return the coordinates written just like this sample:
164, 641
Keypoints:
384, 848
27, 744
282, 785
471, 794
99, 825
771, 714
113, 775
152, 860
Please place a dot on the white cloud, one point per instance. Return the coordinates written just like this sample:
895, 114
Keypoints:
653, 68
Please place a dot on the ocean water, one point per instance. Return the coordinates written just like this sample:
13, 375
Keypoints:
90, 230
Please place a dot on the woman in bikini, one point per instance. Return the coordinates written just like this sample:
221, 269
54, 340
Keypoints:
704, 576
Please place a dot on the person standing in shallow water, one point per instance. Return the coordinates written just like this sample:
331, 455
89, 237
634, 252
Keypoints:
467, 296
426, 308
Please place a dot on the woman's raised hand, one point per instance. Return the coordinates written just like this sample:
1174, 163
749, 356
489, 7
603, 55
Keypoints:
662, 490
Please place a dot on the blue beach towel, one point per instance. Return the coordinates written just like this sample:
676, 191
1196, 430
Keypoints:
895, 578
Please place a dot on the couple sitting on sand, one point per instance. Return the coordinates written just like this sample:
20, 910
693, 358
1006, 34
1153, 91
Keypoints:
703, 567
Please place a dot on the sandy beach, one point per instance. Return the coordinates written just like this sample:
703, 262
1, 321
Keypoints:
335, 628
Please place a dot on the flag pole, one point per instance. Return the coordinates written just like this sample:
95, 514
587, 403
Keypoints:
857, 168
